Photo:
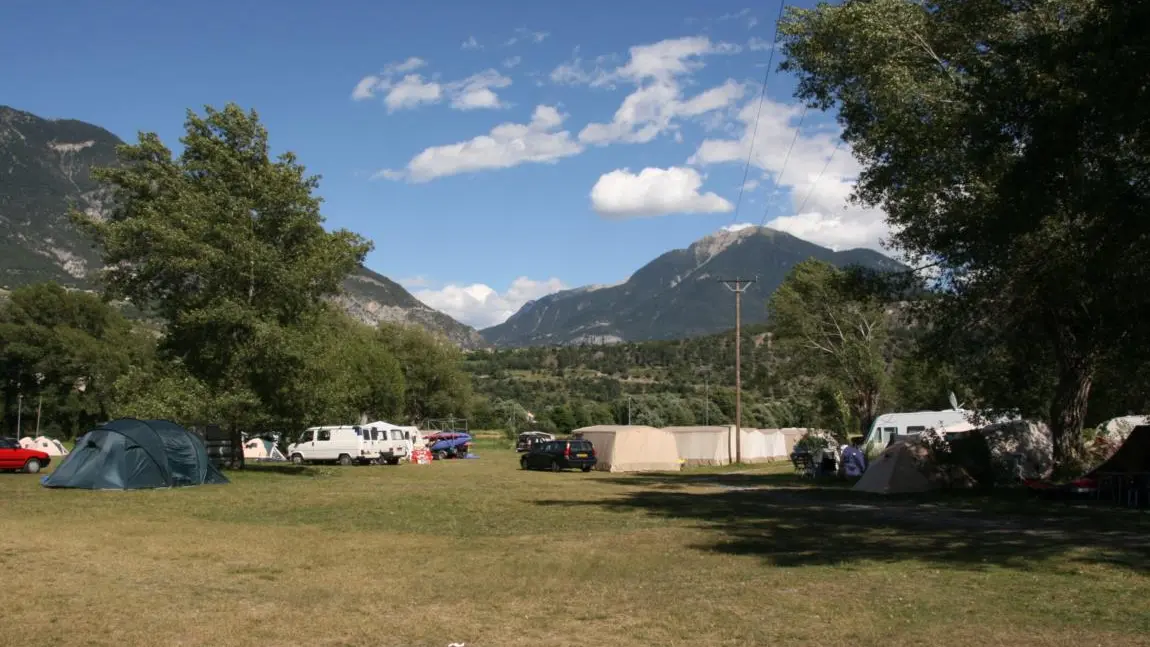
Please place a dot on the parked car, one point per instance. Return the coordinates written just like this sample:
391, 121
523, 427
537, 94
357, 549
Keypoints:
558, 455
17, 459
529, 438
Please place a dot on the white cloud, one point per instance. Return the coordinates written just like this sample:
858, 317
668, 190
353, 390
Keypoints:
526, 35
507, 145
369, 85
654, 192
656, 70
512, 62
412, 91
827, 216
738, 226
757, 44
471, 43
475, 91
482, 306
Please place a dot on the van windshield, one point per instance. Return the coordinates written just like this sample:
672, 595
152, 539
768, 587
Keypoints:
305, 437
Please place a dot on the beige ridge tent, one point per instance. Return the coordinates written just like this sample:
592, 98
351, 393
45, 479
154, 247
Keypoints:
635, 448
761, 445
703, 445
898, 470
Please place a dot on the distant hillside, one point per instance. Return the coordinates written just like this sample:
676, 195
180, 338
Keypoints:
45, 170
676, 295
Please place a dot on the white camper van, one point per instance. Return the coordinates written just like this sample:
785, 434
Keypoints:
343, 444
889, 426
389, 442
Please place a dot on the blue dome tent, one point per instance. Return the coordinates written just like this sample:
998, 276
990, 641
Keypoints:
130, 454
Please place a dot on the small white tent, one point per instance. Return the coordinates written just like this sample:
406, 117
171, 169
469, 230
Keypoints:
899, 469
49, 446
627, 448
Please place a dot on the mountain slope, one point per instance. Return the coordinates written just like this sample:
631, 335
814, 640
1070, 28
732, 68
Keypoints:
677, 294
45, 170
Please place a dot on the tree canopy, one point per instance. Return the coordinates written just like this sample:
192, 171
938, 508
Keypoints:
1006, 143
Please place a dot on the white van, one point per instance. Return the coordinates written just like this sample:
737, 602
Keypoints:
387, 441
889, 426
343, 444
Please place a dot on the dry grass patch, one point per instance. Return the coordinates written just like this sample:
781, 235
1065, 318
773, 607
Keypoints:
480, 552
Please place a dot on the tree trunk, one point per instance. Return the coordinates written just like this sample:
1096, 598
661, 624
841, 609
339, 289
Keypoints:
1068, 410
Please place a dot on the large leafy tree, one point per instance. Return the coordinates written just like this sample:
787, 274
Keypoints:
1007, 142
227, 245
826, 328
435, 385
64, 349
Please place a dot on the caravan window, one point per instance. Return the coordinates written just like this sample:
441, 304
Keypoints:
375, 433
397, 434
915, 430
407, 435
323, 435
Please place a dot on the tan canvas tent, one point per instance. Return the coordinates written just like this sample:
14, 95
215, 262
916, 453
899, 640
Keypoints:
623, 448
703, 445
761, 445
897, 470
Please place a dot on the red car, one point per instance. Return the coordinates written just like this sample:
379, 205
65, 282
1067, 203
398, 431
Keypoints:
16, 458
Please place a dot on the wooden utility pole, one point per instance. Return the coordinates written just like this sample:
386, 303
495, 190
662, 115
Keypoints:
738, 286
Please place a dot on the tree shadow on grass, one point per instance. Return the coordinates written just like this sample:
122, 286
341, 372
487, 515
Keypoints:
801, 526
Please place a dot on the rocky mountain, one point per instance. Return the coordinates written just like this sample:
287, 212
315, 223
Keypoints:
676, 295
44, 171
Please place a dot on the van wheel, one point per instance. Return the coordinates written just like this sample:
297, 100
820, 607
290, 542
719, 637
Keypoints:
296, 459
555, 466
344, 460
32, 466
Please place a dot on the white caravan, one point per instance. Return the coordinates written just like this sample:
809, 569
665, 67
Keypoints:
888, 426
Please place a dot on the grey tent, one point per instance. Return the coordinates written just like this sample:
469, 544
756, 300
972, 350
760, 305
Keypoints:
130, 454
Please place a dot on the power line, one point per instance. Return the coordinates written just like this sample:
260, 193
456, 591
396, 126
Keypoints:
819, 177
779, 175
758, 110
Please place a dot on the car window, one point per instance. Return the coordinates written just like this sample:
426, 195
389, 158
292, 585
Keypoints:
5, 443
323, 435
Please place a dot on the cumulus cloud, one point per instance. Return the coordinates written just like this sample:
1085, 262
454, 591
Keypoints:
507, 145
482, 306
512, 61
819, 203
476, 91
654, 192
412, 90
657, 102
470, 43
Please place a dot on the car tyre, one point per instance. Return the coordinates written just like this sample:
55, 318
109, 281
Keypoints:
586, 468
523, 463
393, 461
296, 459
32, 466
344, 460
441, 455
555, 467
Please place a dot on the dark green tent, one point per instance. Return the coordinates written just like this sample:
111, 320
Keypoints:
130, 454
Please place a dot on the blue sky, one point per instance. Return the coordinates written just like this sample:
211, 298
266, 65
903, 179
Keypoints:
493, 151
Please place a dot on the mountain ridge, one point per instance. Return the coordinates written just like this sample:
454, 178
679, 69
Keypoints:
676, 295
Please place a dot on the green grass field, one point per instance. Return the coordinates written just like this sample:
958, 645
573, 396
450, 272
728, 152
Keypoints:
482, 553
